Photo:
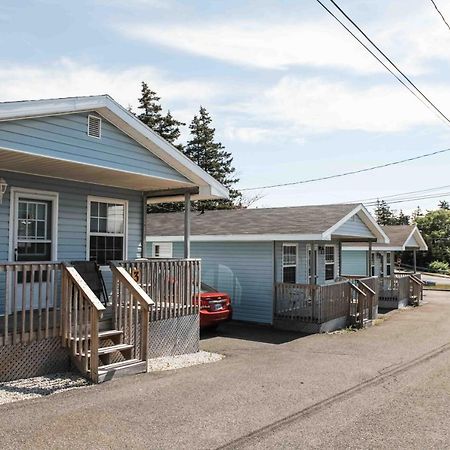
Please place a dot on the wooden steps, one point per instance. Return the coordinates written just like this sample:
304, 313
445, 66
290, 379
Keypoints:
120, 369
114, 348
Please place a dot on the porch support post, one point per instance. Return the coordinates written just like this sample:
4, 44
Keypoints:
144, 227
312, 264
340, 259
187, 225
415, 260
369, 260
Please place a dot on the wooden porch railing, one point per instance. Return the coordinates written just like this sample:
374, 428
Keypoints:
172, 284
31, 301
131, 308
81, 311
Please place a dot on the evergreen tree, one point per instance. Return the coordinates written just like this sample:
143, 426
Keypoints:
402, 219
416, 214
383, 213
166, 126
212, 157
443, 204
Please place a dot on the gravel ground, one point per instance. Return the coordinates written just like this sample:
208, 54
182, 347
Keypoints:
178, 362
13, 391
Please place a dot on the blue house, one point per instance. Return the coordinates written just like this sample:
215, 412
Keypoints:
76, 175
252, 253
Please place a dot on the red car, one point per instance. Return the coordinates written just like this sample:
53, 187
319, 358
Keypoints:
215, 307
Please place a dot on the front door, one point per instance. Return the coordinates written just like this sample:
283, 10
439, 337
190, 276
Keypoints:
308, 264
33, 240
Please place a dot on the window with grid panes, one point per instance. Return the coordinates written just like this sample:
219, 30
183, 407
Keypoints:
106, 231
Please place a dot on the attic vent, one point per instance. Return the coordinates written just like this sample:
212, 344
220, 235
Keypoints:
94, 127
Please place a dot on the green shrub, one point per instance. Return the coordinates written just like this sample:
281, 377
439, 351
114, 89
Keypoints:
439, 266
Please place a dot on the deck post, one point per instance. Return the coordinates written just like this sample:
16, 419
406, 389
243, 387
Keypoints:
340, 259
187, 225
369, 260
144, 227
415, 260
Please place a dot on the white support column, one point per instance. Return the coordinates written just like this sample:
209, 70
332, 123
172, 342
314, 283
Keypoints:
313, 263
340, 259
187, 225
369, 260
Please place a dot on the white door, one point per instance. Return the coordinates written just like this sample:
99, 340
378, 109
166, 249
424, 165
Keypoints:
308, 263
33, 239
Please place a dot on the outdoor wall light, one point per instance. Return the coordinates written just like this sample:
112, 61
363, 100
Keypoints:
3, 186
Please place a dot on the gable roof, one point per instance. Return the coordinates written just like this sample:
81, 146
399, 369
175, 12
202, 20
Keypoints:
401, 237
314, 222
106, 107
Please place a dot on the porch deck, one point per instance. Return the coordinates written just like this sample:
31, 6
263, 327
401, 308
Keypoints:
49, 307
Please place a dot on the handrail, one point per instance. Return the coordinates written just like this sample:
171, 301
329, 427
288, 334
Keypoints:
137, 291
417, 280
87, 291
364, 285
357, 288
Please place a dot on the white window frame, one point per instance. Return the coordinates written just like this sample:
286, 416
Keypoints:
335, 262
283, 265
99, 128
372, 264
119, 201
33, 194
309, 249
169, 245
388, 264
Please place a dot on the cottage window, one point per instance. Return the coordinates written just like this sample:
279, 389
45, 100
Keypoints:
388, 264
289, 263
107, 230
162, 250
372, 264
330, 262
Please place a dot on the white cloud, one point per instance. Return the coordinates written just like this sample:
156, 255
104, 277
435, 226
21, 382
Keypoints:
316, 105
260, 44
67, 78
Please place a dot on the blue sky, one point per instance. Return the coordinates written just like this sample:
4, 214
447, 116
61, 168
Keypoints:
291, 94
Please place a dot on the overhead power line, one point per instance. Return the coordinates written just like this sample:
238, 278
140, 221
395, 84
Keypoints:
412, 199
439, 12
352, 172
423, 98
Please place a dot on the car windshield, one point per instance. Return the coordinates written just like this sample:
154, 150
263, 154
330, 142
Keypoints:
204, 289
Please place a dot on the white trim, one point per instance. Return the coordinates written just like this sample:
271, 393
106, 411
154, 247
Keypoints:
308, 262
99, 128
126, 122
335, 263
240, 237
374, 247
93, 198
419, 239
36, 194
289, 244
367, 219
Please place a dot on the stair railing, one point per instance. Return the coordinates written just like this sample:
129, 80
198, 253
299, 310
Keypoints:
131, 308
360, 303
81, 311
417, 288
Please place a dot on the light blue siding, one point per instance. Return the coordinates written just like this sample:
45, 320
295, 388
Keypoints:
72, 215
354, 262
354, 227
242, 269
65, 137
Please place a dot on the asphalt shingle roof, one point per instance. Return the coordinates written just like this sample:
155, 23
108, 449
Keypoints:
286, 220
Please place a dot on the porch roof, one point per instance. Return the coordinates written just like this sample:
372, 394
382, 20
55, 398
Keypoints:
306, 223
401, 237
13, 159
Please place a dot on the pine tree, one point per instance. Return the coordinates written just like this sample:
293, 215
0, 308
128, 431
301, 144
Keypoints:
402, 219
416, 214
443, 204
212, 157
166, 126
383, 213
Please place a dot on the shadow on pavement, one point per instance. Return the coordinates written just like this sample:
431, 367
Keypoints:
251, 332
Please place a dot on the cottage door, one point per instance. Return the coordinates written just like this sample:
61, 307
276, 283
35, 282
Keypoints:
33, 240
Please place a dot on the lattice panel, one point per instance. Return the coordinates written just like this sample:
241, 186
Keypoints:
176, 336
34, 359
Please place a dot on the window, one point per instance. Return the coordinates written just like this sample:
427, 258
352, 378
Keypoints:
372, 264
330, 262
289, 263
107, 229
94, 127
162, 249
388, 264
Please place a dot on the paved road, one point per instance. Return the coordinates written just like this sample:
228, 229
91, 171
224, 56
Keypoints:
385, 387
436, 279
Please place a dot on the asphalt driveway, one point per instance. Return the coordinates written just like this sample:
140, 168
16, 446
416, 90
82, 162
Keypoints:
386, 386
